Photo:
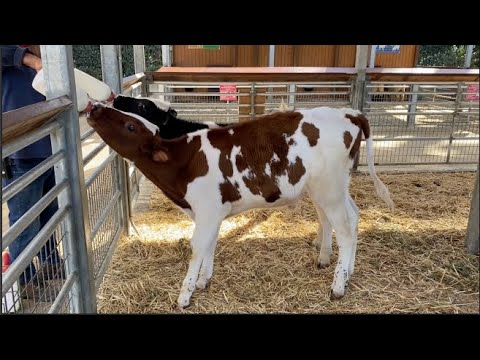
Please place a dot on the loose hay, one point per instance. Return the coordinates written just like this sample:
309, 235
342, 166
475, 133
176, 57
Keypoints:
411, 260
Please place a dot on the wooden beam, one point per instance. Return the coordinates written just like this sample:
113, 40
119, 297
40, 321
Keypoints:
422, 74
246, 74
23, 120
132, 79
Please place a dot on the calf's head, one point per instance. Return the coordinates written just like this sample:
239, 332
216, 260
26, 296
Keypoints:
155, 111
131, 136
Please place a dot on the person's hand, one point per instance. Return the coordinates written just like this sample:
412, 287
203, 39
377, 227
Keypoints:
32, 61
37, 64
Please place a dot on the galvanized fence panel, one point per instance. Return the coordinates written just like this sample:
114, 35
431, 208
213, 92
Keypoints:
205, 101
49, 289
412, 123
421, 123
104, 195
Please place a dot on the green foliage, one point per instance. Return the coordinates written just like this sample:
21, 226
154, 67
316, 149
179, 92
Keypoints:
87, 59
446, 55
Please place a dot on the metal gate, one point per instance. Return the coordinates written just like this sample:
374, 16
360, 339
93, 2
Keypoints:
93, 201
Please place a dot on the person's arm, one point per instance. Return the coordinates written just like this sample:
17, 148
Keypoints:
32, 61
16, 56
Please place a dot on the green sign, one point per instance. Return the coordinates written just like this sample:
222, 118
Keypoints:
205, 47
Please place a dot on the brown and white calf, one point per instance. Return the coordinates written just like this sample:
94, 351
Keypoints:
215, 173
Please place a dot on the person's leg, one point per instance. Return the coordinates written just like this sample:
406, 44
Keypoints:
18, 205
49, 252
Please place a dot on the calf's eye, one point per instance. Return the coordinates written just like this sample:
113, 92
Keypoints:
131, 127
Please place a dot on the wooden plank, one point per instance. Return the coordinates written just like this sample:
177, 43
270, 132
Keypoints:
23, 120
422, 74
198, 74
132, 79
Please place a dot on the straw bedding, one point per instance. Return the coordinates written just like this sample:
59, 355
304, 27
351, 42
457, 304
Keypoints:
409, 260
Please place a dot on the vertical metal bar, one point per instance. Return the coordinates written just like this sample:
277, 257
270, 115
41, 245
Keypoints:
111, 57
468, 56
271, 55
252, 100
373, 52
412, 108
139, 58
458, 100
57, 61
166, 58
473, 234
292, 98
111, 71
271, 63
359, 88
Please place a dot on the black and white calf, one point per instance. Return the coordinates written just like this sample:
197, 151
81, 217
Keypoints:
162, 115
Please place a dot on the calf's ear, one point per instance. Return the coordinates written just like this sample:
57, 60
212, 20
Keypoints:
155, 150
159, 156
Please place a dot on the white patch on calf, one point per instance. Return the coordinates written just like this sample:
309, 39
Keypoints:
211, 125
153, 128
268, 170
231, 131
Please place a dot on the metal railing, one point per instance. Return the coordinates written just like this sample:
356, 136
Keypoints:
412, 122
50, 289
422, 123
83, 233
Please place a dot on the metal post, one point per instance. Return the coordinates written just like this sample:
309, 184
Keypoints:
112, 76
271, 63
271, 55
373, 52
473, 234
412, 108
360, 65
468, 56
111, 57
359, 88
291, 98
57, 61
139, 58
458, 100
252, 100
166, 58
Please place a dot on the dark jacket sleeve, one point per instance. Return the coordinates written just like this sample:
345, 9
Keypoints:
12, 55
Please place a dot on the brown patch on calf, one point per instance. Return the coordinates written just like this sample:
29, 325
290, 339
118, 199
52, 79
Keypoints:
225, 164
347, 139
311, 132
184, 167
240, 162
229, 192
362, 122
170, 164
259, 140
291, 142
295, 171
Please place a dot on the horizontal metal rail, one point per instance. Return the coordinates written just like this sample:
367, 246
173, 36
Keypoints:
29, 138
24, 259
100, 168
18, 185
27, 218
63, 294
104, 214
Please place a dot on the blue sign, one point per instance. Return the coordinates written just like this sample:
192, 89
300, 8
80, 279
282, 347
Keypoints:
387, 49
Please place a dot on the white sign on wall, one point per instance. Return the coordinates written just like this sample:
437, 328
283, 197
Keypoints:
387, 49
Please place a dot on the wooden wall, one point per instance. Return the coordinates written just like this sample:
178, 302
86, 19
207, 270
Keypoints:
286, 55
